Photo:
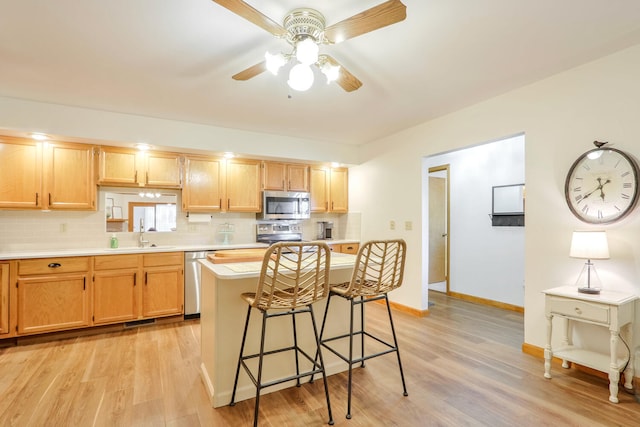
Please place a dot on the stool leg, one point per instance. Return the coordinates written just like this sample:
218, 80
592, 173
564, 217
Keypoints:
244, 338
295, 345
362, 303
351, 300
395, 343
259, 379
324, 320
319, 355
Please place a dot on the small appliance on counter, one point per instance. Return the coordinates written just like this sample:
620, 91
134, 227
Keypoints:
325, 230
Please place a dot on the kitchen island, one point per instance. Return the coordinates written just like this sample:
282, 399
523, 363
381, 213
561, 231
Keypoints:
222, 318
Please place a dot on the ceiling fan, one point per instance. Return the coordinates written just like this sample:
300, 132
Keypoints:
304, 29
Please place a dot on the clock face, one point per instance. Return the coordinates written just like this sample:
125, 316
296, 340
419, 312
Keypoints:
602, 186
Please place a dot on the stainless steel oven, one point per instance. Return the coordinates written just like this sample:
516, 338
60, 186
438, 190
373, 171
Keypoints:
285, 205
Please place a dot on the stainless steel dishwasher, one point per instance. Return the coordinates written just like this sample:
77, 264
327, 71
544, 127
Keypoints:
192, 283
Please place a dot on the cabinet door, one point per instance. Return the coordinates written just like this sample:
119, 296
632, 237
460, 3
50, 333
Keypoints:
243, 185
20, 173
115, 296
50, 303
69, 177
4, 298
162, 170
298, 177
119, 166
163, 291
273, 176
339, 190
319, 189
202, 190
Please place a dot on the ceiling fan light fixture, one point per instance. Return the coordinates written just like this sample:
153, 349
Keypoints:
332, 72
274, 62
300, 77
307, 51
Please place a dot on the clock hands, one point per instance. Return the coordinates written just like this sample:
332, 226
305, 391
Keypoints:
599, 187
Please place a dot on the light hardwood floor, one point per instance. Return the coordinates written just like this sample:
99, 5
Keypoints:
463, 364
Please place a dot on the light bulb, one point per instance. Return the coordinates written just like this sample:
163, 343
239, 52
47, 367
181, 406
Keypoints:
274, 62
300, 77
331, 71
307, 51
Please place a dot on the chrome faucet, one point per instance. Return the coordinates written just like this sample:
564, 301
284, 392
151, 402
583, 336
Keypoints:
141, 241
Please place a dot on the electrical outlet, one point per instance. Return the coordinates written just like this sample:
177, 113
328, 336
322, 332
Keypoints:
63, 227
408, 225
392, 225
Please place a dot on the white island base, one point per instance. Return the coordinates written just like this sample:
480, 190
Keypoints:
222, 318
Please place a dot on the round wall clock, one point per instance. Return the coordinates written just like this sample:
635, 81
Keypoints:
602, 185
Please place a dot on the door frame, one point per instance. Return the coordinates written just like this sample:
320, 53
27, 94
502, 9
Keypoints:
446, 169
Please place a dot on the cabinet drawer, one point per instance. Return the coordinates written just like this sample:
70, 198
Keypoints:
581, 310
52, 265
160, 259
115, 262
350, 248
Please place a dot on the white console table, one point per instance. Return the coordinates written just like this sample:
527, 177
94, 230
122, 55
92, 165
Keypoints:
610, 309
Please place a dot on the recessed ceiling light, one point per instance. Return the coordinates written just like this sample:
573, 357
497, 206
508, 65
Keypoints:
39, 136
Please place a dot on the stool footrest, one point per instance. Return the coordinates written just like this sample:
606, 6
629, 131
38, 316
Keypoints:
316, 365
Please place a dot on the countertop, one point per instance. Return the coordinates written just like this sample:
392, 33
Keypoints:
49, 252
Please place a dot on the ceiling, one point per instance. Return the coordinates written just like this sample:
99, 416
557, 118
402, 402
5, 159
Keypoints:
174, 59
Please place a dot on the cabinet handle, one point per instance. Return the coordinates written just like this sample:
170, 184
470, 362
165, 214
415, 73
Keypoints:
54, 265
578, 311
146, 178
145, 277
228, 204
36, 199
49, 199
134, 278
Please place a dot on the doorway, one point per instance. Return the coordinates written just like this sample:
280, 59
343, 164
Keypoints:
438, 275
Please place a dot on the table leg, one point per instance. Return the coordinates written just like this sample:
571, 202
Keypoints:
630, 371
548, 353
614, 373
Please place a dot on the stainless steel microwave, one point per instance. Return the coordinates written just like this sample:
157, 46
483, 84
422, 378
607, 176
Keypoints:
285, 205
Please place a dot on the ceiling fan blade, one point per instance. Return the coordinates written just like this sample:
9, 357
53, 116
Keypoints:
247, 12
379, 16
346, 80
251, 72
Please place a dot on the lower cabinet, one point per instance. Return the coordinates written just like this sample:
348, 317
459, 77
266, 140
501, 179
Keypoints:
163, 289
4, 298
115, 288
52, 294
345, 248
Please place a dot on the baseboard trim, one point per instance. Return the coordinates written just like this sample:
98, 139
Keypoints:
488, 302
406, 309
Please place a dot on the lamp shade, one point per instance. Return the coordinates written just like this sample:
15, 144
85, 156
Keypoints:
589, 245
300, 77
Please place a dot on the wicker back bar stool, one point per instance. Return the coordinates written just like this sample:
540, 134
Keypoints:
293, 276
379, 269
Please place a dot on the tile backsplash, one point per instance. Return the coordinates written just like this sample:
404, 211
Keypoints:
38, 230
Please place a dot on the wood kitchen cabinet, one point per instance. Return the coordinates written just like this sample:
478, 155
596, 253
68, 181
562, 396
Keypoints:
4, 298
285, 176
52, 294
345, 248
163, 284
243, 185
53, 175
203, 184
115, 288
134, 168
329, 189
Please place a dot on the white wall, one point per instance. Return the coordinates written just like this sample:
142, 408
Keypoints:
560, 117
485, 261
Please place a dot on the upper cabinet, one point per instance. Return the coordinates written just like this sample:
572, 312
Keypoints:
285, 176
243, 185
203, 189
213, 184
134, 168
49, 175
329, 189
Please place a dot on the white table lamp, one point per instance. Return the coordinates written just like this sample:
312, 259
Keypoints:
589, 245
